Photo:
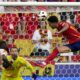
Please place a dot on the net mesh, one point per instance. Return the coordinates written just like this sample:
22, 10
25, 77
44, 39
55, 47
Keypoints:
62, 72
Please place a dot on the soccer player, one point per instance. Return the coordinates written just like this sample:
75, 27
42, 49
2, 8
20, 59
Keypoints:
69, 32
12, 65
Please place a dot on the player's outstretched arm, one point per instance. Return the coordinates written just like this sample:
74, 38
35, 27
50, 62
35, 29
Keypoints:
30, 67
65, 27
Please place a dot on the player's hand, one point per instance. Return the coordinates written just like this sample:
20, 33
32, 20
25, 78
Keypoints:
56, 33
34, 76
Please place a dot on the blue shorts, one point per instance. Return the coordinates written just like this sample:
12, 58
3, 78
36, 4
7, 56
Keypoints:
74, 46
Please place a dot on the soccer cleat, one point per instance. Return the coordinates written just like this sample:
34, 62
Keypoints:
43, 64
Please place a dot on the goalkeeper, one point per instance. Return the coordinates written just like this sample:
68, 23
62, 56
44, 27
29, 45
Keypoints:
12, 65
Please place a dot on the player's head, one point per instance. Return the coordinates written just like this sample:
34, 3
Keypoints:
53, 21
14, 52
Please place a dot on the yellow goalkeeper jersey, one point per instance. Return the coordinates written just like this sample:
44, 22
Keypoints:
14, 74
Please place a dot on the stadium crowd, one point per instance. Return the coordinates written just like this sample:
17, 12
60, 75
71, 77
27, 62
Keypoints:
15, 26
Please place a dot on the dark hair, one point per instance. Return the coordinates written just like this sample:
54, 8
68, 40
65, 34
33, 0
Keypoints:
52, 19
3, 45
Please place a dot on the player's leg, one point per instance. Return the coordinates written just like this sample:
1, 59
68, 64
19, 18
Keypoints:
56, 51
69, 47
54, 54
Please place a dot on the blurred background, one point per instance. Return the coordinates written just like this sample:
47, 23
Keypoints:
40, 0
18, 24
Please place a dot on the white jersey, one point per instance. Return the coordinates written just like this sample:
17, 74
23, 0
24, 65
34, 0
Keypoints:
37, 36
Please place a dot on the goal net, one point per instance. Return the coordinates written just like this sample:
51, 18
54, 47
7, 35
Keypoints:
19, 22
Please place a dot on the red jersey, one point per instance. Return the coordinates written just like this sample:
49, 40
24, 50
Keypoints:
71, 34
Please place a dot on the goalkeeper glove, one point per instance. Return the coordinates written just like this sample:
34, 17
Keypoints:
34, 76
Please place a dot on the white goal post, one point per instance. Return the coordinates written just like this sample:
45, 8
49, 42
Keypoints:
39, 4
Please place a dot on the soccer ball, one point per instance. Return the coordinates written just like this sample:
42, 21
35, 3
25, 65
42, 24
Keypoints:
42, 14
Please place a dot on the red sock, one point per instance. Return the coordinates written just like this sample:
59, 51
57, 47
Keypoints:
52, 55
